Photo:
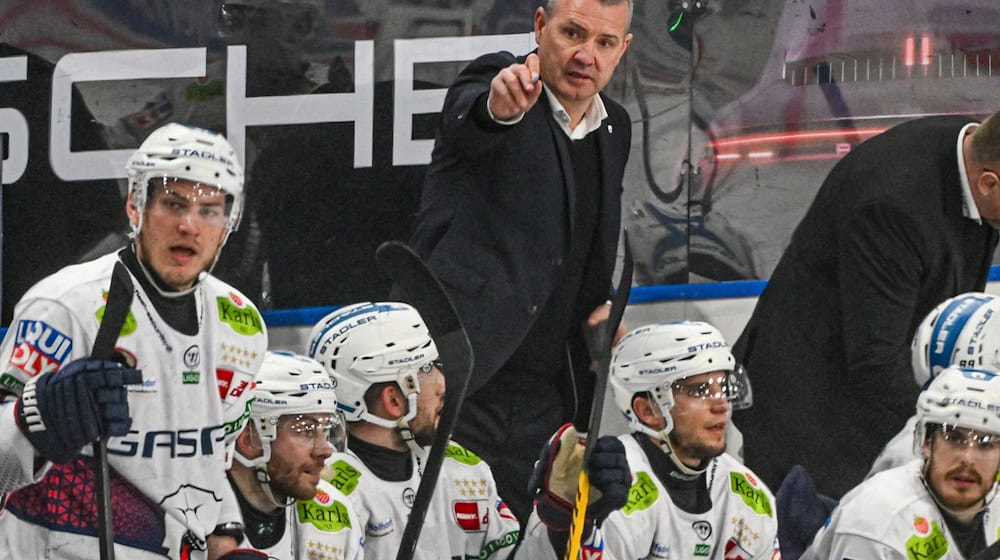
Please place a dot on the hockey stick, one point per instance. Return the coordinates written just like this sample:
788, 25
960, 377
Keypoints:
115, 311
421, 288
601, 342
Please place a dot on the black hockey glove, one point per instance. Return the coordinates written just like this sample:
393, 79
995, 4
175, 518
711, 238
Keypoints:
557, 474
60, 412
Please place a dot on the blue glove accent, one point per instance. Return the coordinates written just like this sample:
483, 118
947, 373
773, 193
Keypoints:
60, 412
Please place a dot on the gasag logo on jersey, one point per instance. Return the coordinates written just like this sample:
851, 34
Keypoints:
472, 516
928, 543
642, 494
329, 518
156, 444
243, 320
190, 377
702, 549
703, 529
753, 494
39, 347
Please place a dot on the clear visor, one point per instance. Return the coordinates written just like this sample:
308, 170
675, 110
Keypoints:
316, 429
733, 386
183, 199
959, 438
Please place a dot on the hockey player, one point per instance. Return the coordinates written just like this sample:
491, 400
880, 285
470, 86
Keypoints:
294, 428
674, 383
940, 506
391, 391
198, 343
962, 331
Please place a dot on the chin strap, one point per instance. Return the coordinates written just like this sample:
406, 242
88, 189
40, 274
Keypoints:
403, 427
687, 471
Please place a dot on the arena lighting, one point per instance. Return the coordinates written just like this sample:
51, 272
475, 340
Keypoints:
909, 51
801, 136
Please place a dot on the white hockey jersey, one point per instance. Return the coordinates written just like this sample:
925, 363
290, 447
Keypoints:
169, 488
322, 527
466, 518
742, 524
892, 516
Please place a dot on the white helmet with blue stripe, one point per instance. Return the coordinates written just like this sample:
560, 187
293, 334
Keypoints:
962, 331
368, 343
962, 397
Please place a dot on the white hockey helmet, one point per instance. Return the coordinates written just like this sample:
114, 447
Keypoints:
655, 357
963, 397
962, 331
291, 384
177, 151
368, 343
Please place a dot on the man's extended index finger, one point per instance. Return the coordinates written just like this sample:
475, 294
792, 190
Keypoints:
533, 66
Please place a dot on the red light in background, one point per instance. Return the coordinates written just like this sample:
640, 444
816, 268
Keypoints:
908, 52
925, 50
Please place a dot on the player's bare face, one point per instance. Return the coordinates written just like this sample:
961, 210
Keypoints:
700, 415
298, 454
183, 225
579, 46
429, 404
961, 467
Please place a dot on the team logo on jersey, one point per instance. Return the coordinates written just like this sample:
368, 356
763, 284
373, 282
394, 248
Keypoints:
471, 516
329, 518
931, 544
461, 454
192, 356
642, 494
39, 347
232, 384
243, 320
504, 511
378, 528
703, 529
752, 492
11, 384
736, 552
197, 507
128, 327
345, 477
408, 497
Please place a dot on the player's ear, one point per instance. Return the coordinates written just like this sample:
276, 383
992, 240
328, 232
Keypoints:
248, 442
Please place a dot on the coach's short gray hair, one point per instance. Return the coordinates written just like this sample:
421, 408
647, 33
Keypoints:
550, 6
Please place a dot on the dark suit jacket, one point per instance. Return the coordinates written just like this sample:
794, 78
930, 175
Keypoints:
497, 209
828, 345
